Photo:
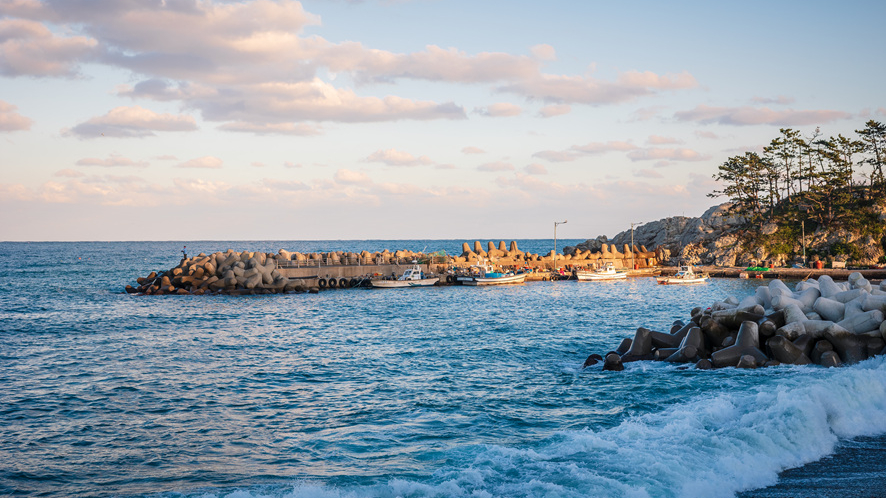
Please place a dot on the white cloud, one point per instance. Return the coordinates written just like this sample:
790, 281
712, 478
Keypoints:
10, 120
133, 121
585, 90
550, 111
295, 129
69, 173
393, 157
348, 177
205, 162
543, 52
472, 150
28, 48
499, 110
496, 166
535, 169
112, 161
290, 164
676, 154
659, 140
743, 116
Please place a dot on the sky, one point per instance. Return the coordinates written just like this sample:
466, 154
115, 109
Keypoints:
406, 119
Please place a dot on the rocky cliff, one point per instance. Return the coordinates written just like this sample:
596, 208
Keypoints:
723, 239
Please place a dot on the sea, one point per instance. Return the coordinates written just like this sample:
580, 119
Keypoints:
426, 392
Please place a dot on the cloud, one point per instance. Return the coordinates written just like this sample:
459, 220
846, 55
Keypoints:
28, 48
205, 162
744, 116
128, 122
604, 147
535, 169
290, 164
588, 149
557, 156
496, 166
499, 110
543, 52
648, 173
294, 129
393, 157
584, 90
348, 177
647, 113
706, 134
11, 120
780, 100
166, 157
472, 150
659, 140
444, 166
113, 161
656, 153
250, 66
69, 173
550, 111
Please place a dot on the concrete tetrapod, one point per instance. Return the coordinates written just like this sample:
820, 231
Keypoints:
746, 344
786, 352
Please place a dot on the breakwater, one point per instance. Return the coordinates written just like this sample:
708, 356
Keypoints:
819, 321
251, 272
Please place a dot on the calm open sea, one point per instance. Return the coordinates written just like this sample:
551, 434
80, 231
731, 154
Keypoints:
436, 392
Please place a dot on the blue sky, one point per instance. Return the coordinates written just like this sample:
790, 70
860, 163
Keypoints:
186, 120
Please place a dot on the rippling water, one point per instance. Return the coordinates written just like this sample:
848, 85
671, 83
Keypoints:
444, 391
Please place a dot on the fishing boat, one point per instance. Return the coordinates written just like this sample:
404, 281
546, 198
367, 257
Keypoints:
608, 272
686, 275
485, 274
412, 277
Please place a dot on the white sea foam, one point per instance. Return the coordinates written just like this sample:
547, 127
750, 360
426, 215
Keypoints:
712, 446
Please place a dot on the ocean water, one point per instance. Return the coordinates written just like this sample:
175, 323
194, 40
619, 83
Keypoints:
436, 392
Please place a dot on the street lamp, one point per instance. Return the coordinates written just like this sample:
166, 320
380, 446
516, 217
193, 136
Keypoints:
632, 242
555, 240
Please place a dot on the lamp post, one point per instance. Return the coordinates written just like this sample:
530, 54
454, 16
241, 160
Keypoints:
555, 241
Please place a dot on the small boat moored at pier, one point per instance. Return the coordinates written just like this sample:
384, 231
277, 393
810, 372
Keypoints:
412, 277
485, 274
608, 272
686, 275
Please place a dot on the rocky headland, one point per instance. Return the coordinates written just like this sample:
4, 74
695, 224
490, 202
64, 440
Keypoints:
721, 238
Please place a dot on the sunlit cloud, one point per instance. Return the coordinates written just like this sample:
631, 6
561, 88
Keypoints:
290, 165
393, 157
779, 100
205, 162
112, 161
10, 120
745, 116
472, 150
69, 173
348, 177
133, 121
28, 48
295, 129
535, 169
659, 140
706, 134
675, 154
499, 110
550, 111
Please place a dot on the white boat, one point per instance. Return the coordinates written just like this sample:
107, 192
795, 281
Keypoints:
412, 277
608, 272
686, 275
486, 275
